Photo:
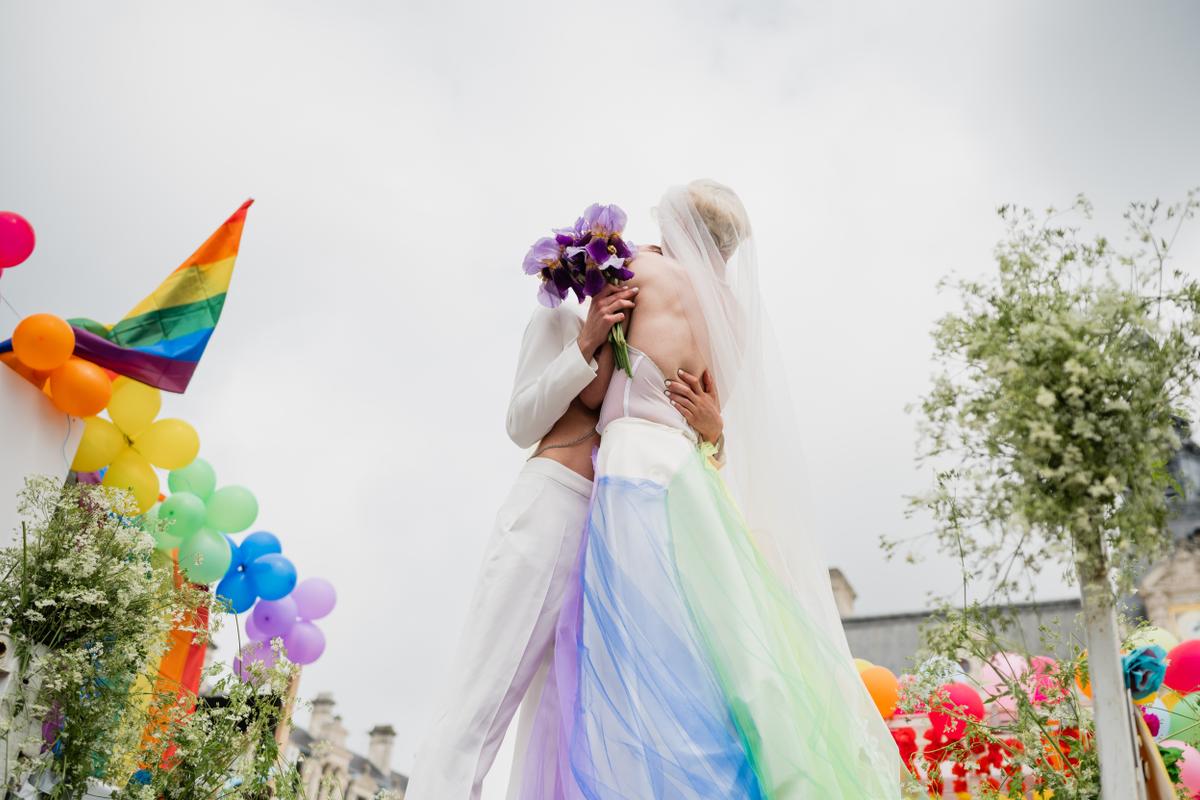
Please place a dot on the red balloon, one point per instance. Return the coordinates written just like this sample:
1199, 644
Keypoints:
1183, 667
16, 239
964, 701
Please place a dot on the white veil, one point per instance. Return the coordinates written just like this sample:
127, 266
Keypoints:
763, 466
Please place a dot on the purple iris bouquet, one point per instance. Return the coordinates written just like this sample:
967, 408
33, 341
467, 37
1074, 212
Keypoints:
583, 259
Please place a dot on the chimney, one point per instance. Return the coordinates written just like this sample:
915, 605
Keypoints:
335, 733
843, 593
379, 752
322, 715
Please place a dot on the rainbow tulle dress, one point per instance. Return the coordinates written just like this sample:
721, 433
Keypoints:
683, 667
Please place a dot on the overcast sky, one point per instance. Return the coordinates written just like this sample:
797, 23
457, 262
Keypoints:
404, 154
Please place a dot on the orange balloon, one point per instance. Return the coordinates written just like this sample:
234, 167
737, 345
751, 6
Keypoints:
1085, 686
884, 688
43, 341
80, 388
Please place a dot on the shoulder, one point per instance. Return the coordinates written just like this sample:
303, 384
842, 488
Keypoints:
651, 263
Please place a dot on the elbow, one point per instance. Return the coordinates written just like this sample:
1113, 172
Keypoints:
519, 435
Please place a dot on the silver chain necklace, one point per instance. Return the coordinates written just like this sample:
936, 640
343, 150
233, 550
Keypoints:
571, 443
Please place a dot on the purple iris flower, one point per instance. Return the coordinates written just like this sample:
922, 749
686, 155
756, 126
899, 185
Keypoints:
598, 250
604, 220
593, 282
571, 236
545, 252
583, 258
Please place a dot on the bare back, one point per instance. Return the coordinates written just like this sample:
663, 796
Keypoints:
659, 327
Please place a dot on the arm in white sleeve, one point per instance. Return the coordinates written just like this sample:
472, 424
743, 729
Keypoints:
551, 372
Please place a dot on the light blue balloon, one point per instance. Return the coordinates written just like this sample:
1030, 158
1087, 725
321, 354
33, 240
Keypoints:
238, 590
258, 544
272, 575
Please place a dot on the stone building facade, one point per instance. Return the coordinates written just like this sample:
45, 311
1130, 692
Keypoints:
330, 770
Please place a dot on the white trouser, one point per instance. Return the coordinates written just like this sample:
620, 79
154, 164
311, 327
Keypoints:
509, 629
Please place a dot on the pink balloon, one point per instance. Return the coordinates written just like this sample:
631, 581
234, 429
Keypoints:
16, 239
1183, 667
1005, 705
1043, 686
274, 617
1001, 668
255, 652
304, 643
315, 598
1189, 765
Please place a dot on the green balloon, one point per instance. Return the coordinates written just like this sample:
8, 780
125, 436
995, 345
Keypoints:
1185, 720
205, 556
198, 477
164, 563
183, 514
165, 539
231, 509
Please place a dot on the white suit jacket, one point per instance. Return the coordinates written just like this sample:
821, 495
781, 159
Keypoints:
551, 372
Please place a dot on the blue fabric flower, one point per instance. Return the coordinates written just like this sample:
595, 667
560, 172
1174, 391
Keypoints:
1144, 670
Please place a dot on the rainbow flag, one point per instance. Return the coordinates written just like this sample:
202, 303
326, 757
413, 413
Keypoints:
161, 340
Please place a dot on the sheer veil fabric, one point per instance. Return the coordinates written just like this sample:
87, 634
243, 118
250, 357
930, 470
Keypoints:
762, 444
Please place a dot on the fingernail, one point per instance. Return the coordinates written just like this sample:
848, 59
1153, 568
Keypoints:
667, 392
678, 372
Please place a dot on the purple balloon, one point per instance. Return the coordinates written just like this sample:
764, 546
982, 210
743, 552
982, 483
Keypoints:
274, 617
315, 598
252, 631
304, 643
259, 652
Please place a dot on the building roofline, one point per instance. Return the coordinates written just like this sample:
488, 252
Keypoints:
1035, 605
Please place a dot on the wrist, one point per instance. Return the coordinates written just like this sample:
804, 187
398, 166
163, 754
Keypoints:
712, 436
586, 348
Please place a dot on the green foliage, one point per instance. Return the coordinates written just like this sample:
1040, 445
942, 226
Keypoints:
88, 607
1061, 388
1054, 412
1046, 732
226, 746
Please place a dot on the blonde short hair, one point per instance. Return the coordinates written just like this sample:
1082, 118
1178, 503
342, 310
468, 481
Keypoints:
722, 213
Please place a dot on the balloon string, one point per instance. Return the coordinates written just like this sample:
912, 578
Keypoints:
4, 300
66, 439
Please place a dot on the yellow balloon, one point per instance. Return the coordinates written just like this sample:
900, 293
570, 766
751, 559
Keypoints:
169, 443
133, 405
132, 472
101, 443
862, 664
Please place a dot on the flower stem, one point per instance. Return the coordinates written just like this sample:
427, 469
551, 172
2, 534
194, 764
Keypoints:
616, 337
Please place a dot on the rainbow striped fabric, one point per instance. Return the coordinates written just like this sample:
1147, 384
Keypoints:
161, 340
